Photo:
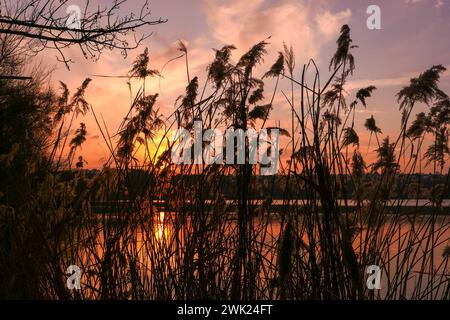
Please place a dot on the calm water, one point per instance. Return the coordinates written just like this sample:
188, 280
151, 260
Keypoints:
156, 238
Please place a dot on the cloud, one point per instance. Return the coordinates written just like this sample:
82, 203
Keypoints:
244, 23
330, 23
402, 80
439, 3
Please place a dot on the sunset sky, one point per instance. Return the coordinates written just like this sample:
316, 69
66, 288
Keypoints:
414, 35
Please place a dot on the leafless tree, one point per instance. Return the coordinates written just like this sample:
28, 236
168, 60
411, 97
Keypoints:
35, 25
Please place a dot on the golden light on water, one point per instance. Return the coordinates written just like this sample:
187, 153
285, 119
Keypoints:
161, 231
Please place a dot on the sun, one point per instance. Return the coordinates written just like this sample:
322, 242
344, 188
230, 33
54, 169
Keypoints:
148, 150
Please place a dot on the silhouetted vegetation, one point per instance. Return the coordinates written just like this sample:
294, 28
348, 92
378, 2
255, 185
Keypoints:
146, 228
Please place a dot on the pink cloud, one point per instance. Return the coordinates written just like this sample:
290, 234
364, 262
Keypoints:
304, 26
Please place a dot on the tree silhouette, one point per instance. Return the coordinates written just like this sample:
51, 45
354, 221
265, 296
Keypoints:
43, 24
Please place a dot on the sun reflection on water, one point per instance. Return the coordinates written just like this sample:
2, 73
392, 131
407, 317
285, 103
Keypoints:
162, 232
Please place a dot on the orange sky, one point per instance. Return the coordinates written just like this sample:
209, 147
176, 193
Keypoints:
414, 36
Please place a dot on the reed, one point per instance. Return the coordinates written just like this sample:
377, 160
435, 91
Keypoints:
167, 231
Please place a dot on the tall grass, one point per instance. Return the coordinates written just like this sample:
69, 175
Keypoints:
145, 228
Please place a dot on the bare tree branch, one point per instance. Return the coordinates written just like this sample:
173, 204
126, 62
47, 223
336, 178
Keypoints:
54, 24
